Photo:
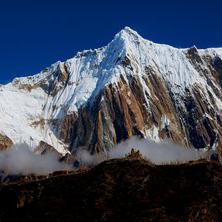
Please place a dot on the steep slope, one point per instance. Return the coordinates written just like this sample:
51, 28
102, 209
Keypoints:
130, 87
119, 190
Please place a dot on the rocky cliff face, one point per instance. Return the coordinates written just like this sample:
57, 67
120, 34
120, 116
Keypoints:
130, 87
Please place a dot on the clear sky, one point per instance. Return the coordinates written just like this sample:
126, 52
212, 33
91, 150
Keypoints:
37, 33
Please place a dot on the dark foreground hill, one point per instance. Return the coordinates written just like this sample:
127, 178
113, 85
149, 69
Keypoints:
119, 190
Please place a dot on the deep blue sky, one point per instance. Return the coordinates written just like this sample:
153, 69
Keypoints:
35, 34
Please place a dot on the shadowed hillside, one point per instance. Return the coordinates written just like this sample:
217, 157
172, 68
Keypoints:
119, 190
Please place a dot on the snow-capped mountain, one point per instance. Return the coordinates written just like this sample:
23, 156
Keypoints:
130, 87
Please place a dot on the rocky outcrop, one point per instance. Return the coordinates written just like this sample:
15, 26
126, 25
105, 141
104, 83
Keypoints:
5, 142
44, 148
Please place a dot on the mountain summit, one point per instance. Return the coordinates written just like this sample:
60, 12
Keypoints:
129, 87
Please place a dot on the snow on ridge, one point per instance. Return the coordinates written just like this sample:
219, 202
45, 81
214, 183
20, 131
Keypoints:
123, 41
212, 52
34, 79
170, 60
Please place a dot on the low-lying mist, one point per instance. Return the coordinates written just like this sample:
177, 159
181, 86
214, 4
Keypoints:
158, 153
21, 160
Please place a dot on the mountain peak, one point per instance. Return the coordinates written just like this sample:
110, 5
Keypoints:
128, 30
127, 34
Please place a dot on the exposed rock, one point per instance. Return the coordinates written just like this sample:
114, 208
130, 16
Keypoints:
66, 128
134, 155
5, 142
44, 148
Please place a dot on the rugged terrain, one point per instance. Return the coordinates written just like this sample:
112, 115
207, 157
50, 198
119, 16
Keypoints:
118, 190
100, 97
